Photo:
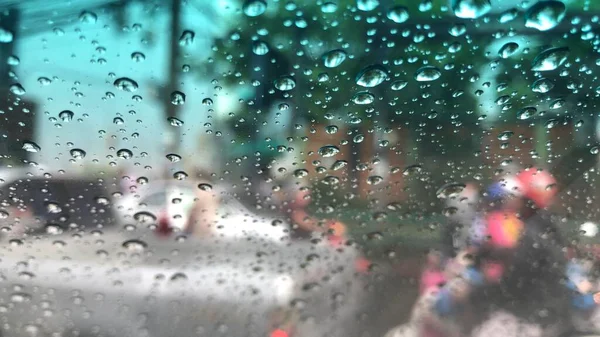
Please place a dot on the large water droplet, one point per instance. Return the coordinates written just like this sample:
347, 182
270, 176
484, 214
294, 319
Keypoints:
328, 151
17, 89
526, 113
285, 83
30, 146
205, 187
88, 17
543, 85
363, 97
136, 56
545, 15
508, 15
254, 8
77, 153
42, 80
339, 164
427, 73
177, 98
6, 36
329, 7
450, 190
505, 135
187, 38
412, 169
334, 58
367, 5
66, 115
457, 30
13, 60
508, 50
371, 76
260, 48
173, 121
126, 84
173, 158
374, 180
550, 59
135, 245
300, 173
144, 217
471, 9
398, 14
125, 154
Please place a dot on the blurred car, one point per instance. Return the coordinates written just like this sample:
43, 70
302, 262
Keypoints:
177, 200
33, 202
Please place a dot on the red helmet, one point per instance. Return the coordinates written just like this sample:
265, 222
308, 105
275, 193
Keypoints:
540, 186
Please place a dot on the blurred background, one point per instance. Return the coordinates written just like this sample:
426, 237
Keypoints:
375, 105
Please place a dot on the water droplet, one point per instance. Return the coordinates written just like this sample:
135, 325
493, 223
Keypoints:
125, 154
102, 201
363, 97
449, 211
398, 14
331, 129
6, 36
285, 83
329, 7
52, 207
595, 150
173, 158
25, 275
88, 17
207, 101
175, 121
328, 151
30, 146
260, 48
53, 229
543, 85
526, 113
205, 187
77, 153
557, 103
508, 15
300, 173
254, 8
450, 190
126, 84
367, 5
177, 98
66, 115
374, 180
457, 30
13, 60
550, 59
135, 245
505, 135
180, 175
358, 139
187, 38
20, 297
371, 76
136, 56
333, 58
471, 9
399, 85
44, 81
545, 15
339, 164
17, 89
412, 169
427, 73
508, 50
144, 217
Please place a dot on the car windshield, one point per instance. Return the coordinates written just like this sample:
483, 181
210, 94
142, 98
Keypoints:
299, 168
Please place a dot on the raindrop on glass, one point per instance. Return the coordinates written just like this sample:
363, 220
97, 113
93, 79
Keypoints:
77, 153
508, 50
543, 85
126, 84
17, 89
254, 8
285, 83
427, 74
187, 38
88, 17
371, 76
30, 146
550, 59
328, 151
125, 154
363, 97
545, 15
138, 57
260, 48
177, 98
367, 5
398, 14
333, 58
471, 9
66, 115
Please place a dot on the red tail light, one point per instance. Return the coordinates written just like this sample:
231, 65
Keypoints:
164, 226
279, 333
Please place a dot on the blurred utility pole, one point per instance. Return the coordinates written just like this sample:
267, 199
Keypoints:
173, 136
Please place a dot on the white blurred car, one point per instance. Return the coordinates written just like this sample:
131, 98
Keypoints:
176, 200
